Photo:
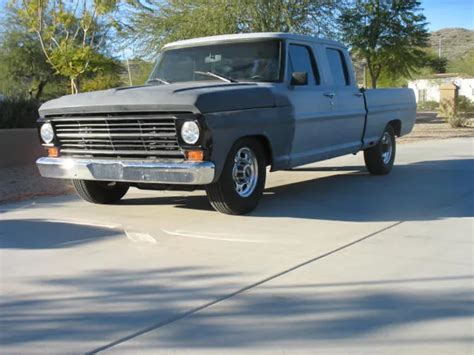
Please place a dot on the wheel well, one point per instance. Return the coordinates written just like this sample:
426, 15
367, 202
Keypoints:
397, 126
267, 148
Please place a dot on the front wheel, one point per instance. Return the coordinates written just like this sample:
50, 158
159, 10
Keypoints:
380, 158
242, 180
101, 192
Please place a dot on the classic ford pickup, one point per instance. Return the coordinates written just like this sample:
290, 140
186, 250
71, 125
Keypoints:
215, 113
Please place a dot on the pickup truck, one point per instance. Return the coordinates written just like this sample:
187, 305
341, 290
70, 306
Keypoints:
215, 113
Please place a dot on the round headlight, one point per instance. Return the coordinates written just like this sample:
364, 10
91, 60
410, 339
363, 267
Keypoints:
47, 133
190, 132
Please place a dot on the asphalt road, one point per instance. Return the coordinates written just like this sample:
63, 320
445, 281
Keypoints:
333, 261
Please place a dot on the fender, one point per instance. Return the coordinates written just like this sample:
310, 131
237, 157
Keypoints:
276, 124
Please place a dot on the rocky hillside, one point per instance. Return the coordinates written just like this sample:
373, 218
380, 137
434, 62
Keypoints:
455, 42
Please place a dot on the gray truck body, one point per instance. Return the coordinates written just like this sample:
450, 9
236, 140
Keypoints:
297, 124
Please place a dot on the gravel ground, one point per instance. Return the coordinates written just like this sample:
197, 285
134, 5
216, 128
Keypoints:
24, 182
428, 126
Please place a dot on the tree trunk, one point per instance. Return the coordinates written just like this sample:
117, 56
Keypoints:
73, 83
373, 76
39, 90
374, 81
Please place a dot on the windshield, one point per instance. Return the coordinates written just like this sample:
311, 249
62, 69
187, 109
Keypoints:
255, 61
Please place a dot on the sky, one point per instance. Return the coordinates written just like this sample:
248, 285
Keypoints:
449, 13
439, 13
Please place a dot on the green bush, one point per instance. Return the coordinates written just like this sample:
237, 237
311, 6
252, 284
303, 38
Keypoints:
465, 105
18, 113
427, 106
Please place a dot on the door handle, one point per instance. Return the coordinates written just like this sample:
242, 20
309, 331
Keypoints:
331, 95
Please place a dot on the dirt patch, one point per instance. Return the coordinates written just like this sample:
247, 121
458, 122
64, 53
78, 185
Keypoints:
429, 126
19, 183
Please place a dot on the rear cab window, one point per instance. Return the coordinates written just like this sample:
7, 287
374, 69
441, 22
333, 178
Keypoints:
301, 59
338, 67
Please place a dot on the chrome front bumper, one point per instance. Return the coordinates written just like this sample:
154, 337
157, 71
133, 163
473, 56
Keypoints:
140, 171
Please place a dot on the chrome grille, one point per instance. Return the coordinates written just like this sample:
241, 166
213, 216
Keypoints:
139, 135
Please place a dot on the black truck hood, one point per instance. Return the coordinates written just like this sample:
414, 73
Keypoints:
196, 97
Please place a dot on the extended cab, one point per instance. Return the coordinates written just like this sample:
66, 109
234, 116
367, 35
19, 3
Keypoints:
215, 113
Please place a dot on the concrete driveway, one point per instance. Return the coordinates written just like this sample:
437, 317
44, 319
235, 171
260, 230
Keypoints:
333, 261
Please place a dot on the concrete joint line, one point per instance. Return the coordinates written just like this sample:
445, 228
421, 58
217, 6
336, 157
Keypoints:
238, 292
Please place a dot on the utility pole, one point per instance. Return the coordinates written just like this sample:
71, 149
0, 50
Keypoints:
129, 73
439, 48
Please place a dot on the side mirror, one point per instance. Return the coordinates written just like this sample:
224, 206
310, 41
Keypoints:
299, 78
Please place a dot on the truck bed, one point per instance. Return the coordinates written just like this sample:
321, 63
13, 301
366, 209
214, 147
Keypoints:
385, 105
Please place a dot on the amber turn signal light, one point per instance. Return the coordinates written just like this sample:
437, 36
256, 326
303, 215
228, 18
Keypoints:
53, 152
195, 155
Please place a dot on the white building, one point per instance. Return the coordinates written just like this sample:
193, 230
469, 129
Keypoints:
428, 89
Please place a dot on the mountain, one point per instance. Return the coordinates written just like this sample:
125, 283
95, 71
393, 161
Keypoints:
455, 42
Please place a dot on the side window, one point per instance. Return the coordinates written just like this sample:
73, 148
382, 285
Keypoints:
301, 60
338, 66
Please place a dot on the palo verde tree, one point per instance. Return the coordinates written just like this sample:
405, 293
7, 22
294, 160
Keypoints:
388, 34
71, 33
151, 23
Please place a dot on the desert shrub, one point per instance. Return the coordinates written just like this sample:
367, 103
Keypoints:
465, 105
457, 121
18, 113
427, 106
449, 113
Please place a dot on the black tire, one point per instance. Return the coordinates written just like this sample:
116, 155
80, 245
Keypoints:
100, 192
223, 195
376, 159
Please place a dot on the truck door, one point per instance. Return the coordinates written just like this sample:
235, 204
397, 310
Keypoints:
311, 106
348, 117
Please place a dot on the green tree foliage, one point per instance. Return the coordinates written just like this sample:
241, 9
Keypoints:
153, 23
105, 75
23, 67
388, 34
296, 16
139, 70
437, 64
71, 33
22, 58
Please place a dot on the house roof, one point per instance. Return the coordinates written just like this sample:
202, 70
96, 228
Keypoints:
452, 75
445, 76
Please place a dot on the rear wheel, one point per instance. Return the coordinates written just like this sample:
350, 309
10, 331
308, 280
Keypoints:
101, 192
242, 180
380, 158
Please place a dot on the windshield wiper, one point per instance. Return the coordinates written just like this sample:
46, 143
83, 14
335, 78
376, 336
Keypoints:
157, 80
217, 76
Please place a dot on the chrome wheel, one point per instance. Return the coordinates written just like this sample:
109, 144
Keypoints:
245, 172
387, 148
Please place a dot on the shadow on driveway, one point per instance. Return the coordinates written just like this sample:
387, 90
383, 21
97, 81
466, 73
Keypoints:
103, 304
44, 234
411, 192
107, 305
